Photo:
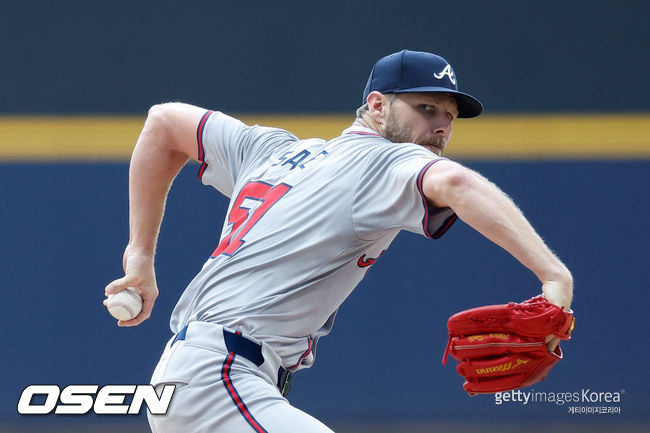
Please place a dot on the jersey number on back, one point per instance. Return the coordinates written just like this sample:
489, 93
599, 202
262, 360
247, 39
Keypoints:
252, 202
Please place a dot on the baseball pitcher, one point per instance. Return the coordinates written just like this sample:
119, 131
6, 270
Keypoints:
306, 220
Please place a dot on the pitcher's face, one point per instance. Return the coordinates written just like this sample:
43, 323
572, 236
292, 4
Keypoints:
421, 118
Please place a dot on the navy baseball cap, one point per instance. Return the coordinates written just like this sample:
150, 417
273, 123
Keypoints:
417, 71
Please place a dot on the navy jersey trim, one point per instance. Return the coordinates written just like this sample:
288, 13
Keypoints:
445, 226
199, 142
425, 220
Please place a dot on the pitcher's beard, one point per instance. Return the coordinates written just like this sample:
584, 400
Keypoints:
397, 132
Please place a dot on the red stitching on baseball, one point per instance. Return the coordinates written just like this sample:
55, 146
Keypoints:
123, 305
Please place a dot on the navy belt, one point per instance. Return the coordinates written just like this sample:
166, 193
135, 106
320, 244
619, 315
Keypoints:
237, 343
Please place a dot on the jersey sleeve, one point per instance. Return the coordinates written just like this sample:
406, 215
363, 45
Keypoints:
389, 196
226, 146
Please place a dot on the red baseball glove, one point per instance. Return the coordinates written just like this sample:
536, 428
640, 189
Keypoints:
502, 347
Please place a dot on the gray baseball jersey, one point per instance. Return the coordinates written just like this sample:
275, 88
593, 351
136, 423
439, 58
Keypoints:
306, 220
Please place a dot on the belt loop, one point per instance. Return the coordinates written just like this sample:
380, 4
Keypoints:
237, 343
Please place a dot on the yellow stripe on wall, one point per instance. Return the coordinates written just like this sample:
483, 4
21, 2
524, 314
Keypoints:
88, 138
553, 136
68, 138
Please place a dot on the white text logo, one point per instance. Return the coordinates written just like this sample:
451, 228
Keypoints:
448, 72
80, 399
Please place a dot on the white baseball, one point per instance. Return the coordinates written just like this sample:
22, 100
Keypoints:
124, 305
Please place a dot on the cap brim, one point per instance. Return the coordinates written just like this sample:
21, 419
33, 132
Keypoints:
468, 106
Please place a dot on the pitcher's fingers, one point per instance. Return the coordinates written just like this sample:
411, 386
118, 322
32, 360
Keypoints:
147, 307
116, 286
135, 321
551, 342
